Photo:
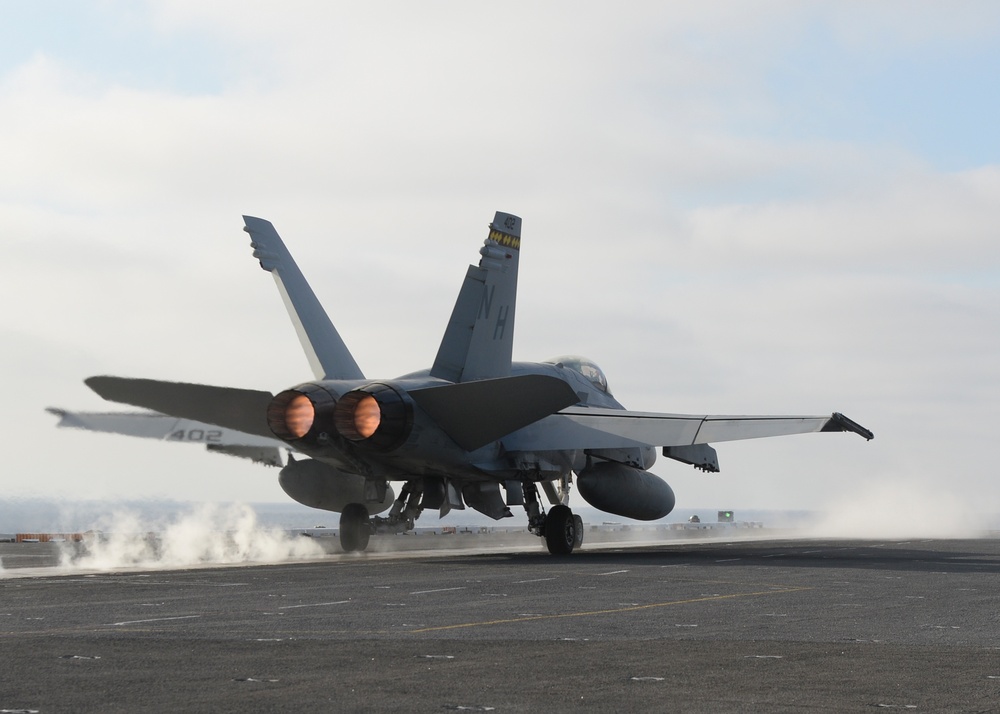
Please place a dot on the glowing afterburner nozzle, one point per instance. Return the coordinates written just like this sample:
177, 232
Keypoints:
367, 417
375, 416
299, 415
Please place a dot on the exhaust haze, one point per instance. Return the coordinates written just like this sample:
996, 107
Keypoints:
208, 534
901, 508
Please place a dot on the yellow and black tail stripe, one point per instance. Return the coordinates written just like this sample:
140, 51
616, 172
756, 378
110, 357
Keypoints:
508, 241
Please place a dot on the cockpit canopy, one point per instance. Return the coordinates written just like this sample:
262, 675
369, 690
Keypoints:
584, 367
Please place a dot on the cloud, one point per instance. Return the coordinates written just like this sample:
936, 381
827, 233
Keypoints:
917, 221
694, 219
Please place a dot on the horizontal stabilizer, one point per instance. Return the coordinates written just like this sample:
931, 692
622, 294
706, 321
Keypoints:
241, 409
475, 413
582, 428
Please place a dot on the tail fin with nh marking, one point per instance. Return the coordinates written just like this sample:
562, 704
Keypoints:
479, 339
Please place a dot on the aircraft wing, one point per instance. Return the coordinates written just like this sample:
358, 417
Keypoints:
151, 425
583, 428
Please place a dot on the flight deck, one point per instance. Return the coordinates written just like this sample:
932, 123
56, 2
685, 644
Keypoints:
716, 625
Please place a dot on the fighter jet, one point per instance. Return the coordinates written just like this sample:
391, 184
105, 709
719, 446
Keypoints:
475, 429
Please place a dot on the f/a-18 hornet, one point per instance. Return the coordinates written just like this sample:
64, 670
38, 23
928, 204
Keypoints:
476, 429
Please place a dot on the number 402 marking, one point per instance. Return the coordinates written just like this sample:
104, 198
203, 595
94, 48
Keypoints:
211, 436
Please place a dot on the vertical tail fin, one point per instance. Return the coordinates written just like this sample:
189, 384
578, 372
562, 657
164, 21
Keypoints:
327, 354
478, 342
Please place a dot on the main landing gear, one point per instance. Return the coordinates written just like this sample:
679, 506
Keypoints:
562, 531
355, 527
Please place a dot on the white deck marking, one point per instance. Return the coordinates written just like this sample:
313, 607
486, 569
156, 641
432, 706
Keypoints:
155, 619
317, 604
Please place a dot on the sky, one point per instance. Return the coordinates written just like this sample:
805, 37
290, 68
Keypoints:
733, 208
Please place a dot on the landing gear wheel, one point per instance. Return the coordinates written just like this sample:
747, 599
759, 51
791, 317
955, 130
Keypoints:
355, 528
578, 539
560, 530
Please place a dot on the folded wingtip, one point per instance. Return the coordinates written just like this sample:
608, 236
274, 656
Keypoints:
839, 422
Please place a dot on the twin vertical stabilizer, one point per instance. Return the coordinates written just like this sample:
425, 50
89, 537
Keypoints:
478, 342
328, 356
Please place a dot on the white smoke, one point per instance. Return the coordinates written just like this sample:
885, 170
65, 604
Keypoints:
209, 534
902, 508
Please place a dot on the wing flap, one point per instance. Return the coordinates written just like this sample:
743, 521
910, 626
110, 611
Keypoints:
240, 409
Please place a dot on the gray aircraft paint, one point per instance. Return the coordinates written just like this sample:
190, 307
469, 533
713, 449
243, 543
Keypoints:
473, 422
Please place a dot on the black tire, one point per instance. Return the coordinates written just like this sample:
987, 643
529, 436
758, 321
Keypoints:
578, 524
560, 530
355, 529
